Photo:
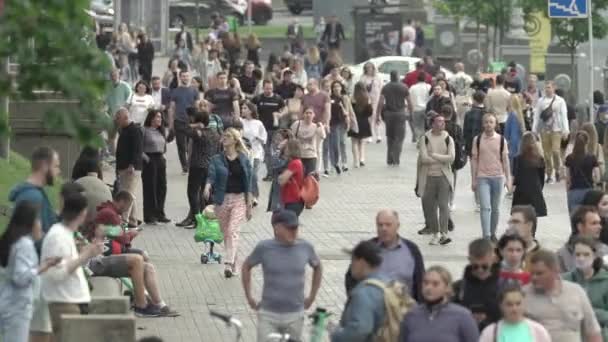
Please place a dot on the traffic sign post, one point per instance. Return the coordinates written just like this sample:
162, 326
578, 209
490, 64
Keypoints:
573, 9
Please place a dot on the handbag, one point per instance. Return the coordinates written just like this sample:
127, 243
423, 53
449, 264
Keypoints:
547, 113
352, 120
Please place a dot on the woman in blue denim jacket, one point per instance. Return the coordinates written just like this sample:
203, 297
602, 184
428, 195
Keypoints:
229, 187
19, 271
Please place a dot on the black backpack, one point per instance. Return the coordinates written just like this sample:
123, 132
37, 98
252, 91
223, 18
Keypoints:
460, 151
459, 154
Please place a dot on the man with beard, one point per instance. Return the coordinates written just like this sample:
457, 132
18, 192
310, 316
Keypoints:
45, 169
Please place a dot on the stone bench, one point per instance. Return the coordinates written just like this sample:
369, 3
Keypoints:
106, 287
110, 305
98, 328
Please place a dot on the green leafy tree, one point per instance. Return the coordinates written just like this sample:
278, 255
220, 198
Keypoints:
52, 41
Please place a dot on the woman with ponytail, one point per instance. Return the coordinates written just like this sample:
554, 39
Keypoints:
229, 181
591, 275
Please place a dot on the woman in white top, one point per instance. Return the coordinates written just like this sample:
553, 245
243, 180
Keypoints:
140, 102
373, 84
255, 133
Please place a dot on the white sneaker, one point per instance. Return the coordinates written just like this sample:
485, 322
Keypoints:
434, 240
477, 208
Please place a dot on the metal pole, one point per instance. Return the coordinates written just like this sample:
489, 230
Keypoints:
249, 21
591, 69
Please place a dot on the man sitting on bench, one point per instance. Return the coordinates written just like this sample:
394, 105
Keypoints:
120, 260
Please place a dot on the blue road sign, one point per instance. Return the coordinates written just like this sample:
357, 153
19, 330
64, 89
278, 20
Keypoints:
568, 9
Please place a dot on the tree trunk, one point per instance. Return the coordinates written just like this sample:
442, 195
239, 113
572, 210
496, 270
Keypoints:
4, 116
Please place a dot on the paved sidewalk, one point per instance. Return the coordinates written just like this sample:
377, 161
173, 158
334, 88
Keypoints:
344, 215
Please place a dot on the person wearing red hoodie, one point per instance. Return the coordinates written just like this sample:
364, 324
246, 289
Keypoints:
121, 260
411, 77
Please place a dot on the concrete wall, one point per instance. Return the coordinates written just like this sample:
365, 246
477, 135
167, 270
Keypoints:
28, 130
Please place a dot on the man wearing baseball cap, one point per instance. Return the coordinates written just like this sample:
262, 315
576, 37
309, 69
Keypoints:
283, 261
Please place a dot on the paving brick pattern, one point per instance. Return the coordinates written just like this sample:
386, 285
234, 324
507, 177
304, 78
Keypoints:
344, 215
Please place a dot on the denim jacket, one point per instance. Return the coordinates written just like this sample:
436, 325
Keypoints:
363, 315
218, 176
17, 279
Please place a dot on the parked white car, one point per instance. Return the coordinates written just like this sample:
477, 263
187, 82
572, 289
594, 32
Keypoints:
386, 64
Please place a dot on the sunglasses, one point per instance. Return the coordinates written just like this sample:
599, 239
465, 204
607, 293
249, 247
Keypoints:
481, 267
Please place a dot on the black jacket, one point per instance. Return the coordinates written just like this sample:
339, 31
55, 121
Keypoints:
145, 53
130, 147
350, 282
479, 296
327, 33
472, 126
436, 102
204, 146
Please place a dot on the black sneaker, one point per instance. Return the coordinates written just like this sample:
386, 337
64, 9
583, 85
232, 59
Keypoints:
344, 169
166, 311
151, 222
494, 239
188, 221
338, 171
149, 311
444, 240
267, 178
557, 177
134, 225
362, 164
425, 231
450, 225
164, 220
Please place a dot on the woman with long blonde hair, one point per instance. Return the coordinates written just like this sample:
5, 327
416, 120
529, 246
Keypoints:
229, 176
253, 46
373, 85
312, 63
515, 126
529, 175
593, 145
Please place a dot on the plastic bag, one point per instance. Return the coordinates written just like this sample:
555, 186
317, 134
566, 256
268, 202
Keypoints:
207, 229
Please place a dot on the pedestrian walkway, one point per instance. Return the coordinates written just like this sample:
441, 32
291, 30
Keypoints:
344, 215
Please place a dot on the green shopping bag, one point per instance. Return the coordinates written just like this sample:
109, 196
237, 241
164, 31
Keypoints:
207, 229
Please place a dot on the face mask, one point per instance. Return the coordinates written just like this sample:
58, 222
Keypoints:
583, 263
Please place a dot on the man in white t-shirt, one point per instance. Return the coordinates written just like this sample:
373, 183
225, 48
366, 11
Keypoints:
419, 94
65, 287
552, 127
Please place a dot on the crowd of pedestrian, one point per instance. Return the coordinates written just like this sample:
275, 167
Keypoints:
230, 119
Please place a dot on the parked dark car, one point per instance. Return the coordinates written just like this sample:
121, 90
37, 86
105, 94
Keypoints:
297, 6
184, 12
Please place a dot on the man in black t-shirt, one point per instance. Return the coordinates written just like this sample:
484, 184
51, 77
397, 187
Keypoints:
269, 106
392, 108
224, 101
247, 80
287, 88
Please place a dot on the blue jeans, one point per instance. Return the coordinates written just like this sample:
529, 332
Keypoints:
489, 190
254, 178
575, 198
337, 144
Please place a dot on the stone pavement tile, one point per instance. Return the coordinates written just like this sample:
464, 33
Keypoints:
344, 215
